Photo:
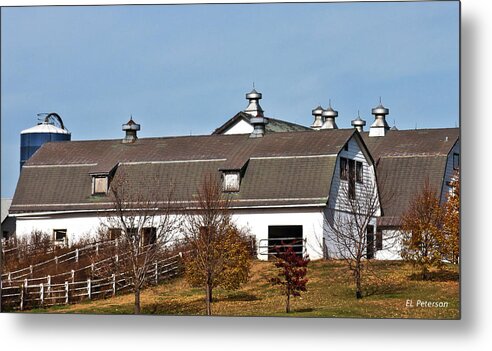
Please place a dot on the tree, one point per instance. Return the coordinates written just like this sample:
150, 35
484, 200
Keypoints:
349, 227
219, 253
146, 219
292, 271
423, 241
451, 225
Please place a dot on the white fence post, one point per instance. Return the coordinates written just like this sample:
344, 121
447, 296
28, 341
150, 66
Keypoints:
89, 288
66, 292
41, 293
77, 255
97, 249
56, 261
10, 278
30, 271
48, 290
21, 297
114, 284
156, 273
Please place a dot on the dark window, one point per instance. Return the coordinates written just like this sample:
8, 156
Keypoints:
5, 235
351, 183
456, 161
345, 147
60, 237
379, 240
114, 233
359, 172
343, 168
149, 236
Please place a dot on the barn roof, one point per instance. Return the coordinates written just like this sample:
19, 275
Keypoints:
280, 169
406, 160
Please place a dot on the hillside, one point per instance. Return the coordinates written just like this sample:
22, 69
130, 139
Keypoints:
330, 294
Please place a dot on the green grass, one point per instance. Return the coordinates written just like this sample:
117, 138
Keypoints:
330, 294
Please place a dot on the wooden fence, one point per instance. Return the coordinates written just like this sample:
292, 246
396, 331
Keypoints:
42, 292
72, 256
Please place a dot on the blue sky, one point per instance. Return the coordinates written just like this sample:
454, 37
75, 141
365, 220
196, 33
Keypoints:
184, 69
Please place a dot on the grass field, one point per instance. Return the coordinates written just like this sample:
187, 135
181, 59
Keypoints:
330, 294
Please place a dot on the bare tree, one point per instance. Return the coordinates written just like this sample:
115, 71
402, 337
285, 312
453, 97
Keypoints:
147, 219
349, 226
219, 253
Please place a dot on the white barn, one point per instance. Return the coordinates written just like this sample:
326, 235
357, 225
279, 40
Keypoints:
284, 180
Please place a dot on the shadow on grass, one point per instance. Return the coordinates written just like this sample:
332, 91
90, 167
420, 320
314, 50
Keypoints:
437, 276
240, 296
191, 308
303, 310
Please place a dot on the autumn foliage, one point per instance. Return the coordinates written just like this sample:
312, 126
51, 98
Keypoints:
431, 230
219, 254
451, 225
291, 275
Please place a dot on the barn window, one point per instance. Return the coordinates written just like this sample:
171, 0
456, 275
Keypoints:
149, 236
231, 181
60, 237
379, 240
99, 185
345, 147
456, 161
351, 179
114, 233
359, 172
343, 168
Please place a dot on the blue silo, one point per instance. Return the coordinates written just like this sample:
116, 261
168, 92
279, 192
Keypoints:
51, 129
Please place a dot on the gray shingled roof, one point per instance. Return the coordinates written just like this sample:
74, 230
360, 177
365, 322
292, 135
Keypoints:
274, 125
405, 160
57, 176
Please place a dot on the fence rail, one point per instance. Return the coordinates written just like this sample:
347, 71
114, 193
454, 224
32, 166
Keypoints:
271, 246
73, 255
27, 295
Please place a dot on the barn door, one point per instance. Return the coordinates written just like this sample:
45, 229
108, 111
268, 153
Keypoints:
282, 236
370, 242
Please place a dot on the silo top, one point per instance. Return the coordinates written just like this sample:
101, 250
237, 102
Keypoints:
45, 128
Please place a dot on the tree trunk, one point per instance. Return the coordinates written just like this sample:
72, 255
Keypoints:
137, 301
358, 283
287, 302
208, 299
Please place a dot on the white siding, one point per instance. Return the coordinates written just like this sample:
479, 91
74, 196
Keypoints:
338, 206
241, 127
255, 220
77, 226
311, 219
391, 246
330, 241
339, 189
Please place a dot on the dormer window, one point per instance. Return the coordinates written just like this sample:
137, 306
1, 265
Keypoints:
99, 185
456, 161
230, 181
